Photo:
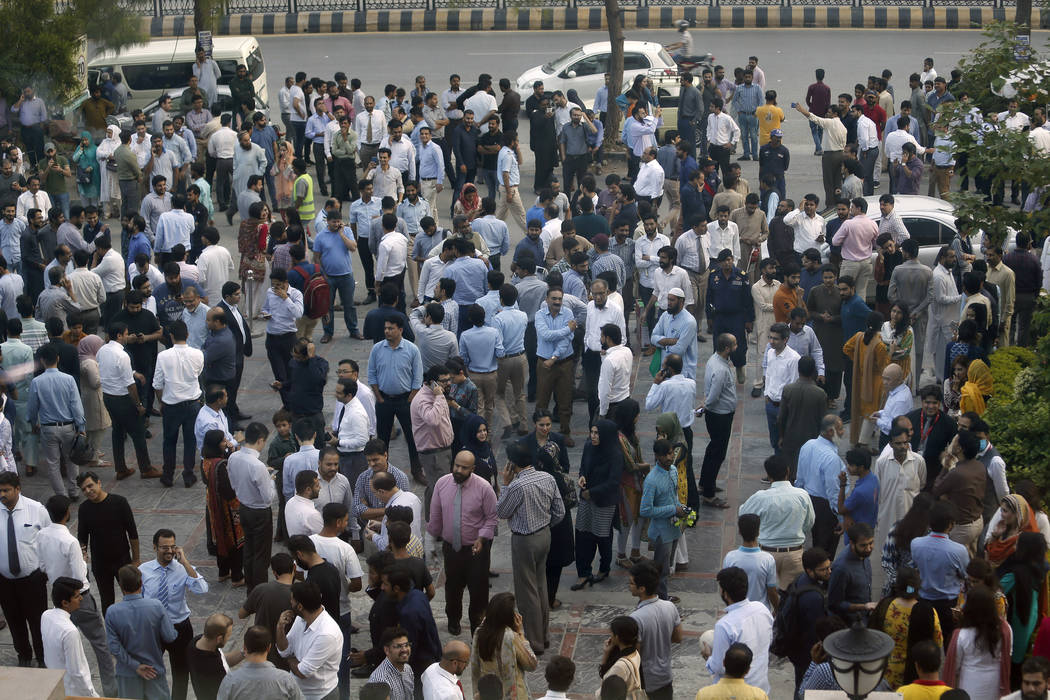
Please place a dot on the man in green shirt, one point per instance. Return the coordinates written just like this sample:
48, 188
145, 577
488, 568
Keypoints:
54, 171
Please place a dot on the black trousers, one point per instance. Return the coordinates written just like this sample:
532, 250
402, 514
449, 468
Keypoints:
114, 300
127, 423
232, 387
847, 380
944, 612
178, 652
257, 524
344, 179
833, 384
386, 410
321, 163
232, 565
720, 155
824, 524
574, 166
592, 367
530, 355
279, 353
587, 544
398, 281
23, 601
367, 262
719, 426
176, 417
105, 577
465, 570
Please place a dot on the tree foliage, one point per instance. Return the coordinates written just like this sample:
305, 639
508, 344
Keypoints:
41, 45
998, 154
1019, 412
206, 14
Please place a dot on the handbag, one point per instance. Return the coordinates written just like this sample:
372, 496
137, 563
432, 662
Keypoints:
83, 176
657, 362
82, 453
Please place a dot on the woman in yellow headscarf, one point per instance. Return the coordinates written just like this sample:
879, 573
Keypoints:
977, 389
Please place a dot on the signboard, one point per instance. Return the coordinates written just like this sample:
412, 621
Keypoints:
204, 41
81, 61
1023, 48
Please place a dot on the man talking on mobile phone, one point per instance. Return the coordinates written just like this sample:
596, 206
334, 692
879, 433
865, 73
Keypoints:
166, 579
720, 406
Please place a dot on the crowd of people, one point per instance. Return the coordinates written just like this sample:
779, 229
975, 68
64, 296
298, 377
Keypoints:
154, 330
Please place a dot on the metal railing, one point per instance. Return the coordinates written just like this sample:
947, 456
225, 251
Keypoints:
162, 8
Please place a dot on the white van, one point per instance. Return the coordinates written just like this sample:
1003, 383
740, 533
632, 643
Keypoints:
150, 70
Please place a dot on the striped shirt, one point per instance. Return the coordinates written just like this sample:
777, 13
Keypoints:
365, 497
530, 502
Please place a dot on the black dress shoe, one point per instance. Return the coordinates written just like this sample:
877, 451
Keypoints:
243, 417
454, 629
363, 671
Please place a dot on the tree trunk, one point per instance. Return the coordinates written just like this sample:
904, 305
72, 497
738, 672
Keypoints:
200, 18
1023, 17
614, 19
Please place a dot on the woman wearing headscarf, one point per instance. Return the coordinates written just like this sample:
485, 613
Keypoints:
86, 161
634, 471
1022, 579
96, 417
469, 203
283, 175
563, 550
109, 191
253, 258
669, 428
225, 535
869, 356
977, 389
573, 98
474, 437
1015, 517
899, 338
600, 470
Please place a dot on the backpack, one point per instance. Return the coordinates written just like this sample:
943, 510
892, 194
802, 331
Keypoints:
317, 293
786, 626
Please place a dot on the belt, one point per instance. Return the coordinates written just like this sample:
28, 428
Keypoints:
564, 359
264, 508
56, 425
781, 550
507, 357
491, 371
428, 179
394, 397
530, 534
775, 403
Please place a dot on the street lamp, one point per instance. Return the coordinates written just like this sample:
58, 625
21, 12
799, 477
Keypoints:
858, 657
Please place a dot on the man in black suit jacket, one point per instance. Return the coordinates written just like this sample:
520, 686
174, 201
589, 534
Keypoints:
242, 336
932, 431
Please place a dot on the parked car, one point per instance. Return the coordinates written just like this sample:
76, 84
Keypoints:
666, 83
583, 69
222, 105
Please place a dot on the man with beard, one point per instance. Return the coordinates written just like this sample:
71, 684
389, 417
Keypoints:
144, 330
543, 142
819, 466
1034, 674
810, 588
314, 642
675, 331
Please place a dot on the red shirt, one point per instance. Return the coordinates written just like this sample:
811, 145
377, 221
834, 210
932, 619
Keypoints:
876, 114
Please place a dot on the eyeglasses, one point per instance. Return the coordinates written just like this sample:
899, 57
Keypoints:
403, 645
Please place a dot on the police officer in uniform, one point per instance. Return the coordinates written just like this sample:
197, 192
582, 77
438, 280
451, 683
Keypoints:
729, 307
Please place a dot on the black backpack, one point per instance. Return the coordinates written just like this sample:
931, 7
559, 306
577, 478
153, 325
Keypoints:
786, 625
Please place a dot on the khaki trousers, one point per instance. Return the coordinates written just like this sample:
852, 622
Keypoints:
486, 383
516, 371
304, 326
559, 379
511, 203
789, 566
699, 282
428, 191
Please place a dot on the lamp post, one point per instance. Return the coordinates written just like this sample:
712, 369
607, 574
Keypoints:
858, 658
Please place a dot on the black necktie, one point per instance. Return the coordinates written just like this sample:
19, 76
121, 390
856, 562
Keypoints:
12, 546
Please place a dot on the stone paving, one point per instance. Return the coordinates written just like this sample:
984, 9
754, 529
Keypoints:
580, 627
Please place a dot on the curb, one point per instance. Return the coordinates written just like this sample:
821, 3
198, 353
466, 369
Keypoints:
532, 19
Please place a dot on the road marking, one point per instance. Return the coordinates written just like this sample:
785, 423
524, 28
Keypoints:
511, 53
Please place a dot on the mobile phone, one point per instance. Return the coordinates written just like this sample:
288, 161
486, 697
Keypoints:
700, 411
794, 104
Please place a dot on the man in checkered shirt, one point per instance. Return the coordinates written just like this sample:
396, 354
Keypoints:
531, 504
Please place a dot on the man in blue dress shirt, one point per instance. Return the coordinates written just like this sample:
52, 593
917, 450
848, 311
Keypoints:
55, 410
362, 212
493, 231
481, 346
332, 249
819, 466
137, 630
555, 366
282, 308
395, 373
513, 366
675, 332
166, 580
470, 275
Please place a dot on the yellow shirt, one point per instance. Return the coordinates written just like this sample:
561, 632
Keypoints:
769, 118
731, 689
923, 690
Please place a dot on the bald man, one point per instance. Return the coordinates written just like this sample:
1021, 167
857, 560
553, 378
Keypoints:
463, 515
898, 401
441, 679
207, 668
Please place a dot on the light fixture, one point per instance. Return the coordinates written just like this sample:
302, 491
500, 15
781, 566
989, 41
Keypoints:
858, 657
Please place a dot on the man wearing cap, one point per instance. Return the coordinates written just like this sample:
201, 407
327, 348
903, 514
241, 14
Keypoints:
773, 159
675, 332
730, 308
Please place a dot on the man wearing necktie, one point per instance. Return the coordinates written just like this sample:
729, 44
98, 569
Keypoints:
23, 586
463, 515
349, 430
166, 579
441, 681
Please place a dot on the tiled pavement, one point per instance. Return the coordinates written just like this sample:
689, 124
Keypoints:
580, 626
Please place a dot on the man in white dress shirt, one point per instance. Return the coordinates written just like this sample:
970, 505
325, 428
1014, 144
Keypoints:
349, 429
780, 368
176, 381
599, 313
120, 395
901, 474
745, 621
300, 516
392, 259
215, 264
649, 183
61, 558
441, 679
723, 135
62, 647
314, 643
614, 381
385, 487
109, 266
809, 228
23, 595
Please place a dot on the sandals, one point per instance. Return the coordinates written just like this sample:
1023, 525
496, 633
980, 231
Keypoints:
714, 502
600, 577
625, 562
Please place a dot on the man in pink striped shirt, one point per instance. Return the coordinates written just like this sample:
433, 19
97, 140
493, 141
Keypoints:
432, 428
857, 237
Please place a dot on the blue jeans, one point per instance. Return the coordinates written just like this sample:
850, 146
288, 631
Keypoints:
61, 200
817, 132
142, 689
749, 134
663, 553
344, 285
298, 137
771, 421
490, 180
